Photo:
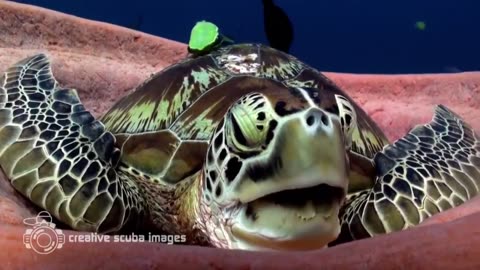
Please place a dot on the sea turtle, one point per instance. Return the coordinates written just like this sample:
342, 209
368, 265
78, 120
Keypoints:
245, 148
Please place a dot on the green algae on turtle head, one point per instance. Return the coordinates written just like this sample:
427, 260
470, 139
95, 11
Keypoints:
204, 34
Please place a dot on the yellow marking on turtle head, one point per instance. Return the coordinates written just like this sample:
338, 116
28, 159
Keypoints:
367, 141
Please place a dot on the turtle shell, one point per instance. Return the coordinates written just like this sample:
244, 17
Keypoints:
163, 127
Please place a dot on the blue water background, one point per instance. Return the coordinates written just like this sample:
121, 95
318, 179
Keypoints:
358, 36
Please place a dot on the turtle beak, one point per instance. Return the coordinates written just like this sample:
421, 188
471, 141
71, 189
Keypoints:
294, 194
308, 150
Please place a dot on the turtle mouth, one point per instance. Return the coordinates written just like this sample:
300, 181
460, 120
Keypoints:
293, 219
319, 195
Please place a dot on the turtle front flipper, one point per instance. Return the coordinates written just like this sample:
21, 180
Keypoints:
433, 168
56, 154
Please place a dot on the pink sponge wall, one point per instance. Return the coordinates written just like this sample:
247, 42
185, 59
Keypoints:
104, 62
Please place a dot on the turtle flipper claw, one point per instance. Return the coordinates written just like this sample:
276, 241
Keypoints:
56, 154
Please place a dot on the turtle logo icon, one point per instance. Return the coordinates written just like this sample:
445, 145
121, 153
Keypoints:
43, 238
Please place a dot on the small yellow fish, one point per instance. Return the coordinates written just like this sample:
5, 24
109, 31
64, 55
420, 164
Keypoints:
420, 25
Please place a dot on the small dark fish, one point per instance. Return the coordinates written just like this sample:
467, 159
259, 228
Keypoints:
278, 27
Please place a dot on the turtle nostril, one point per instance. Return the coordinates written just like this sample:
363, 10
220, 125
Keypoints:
324, 119
317, 118
310, 120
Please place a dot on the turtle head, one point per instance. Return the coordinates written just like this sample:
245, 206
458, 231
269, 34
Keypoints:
277, 181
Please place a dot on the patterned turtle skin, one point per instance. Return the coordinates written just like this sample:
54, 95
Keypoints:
433, 168
246, 147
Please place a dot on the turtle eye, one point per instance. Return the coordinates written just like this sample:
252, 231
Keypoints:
247, 123
348, 118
